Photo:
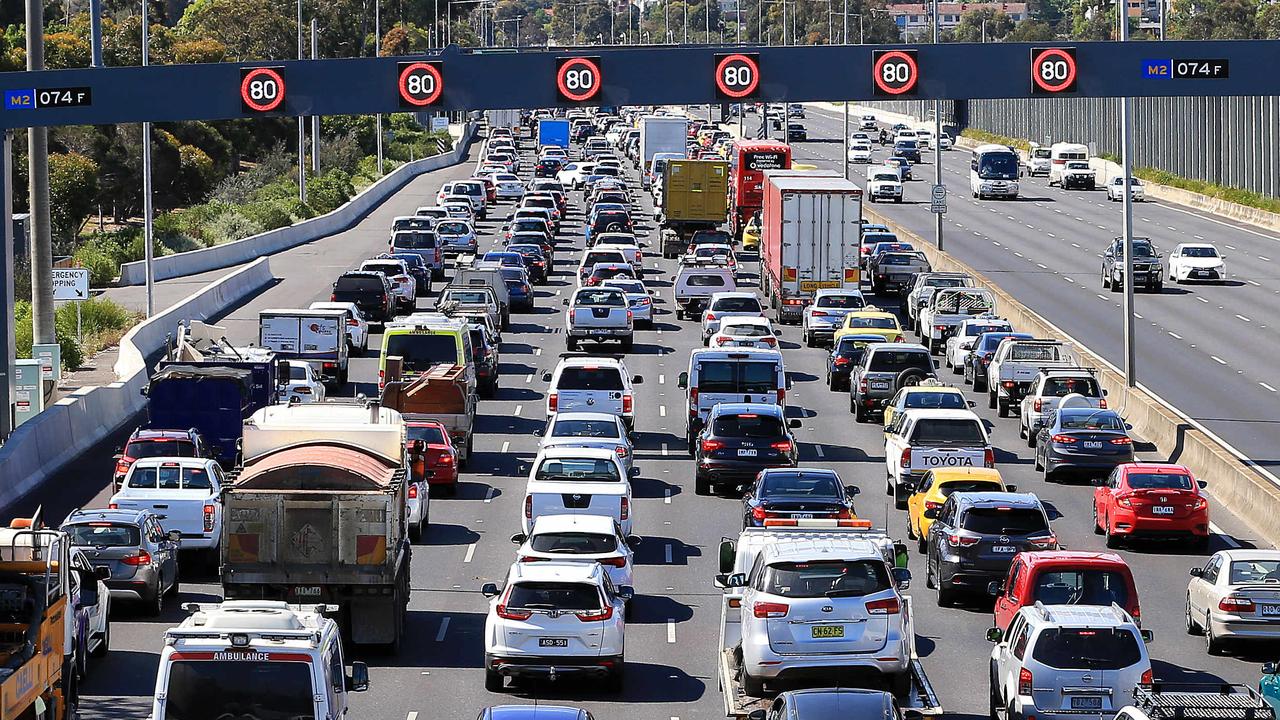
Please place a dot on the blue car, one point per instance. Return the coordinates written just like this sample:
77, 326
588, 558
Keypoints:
518, 286
797, 494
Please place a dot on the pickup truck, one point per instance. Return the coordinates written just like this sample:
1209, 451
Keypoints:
597, 314
947, 308
920, 440
895, 271
184, 491
1016, 365
439, 394
1046, 393
578, 480
925, 285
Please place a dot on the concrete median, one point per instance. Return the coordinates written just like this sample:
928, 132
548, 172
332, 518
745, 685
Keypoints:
1231, 479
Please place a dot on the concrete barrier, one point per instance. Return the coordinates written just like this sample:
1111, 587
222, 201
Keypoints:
41, 447
1233, 480
273, 241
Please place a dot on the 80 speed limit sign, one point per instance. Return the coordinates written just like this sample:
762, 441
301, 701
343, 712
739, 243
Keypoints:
1053, 71
261, 89
419, 83
737, 75
578, 79
894, 72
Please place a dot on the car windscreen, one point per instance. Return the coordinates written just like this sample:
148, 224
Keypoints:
729, 376
1080, 587
895, 361
1159, 481
261, 689
359, 284
885, 177
936, 400
414, 240
948, 431
747, 425
430, 434
575, 428
421, 351
590, 378
1097, 420
159, 448
1142, 250
703, 280
800, 484
571, 597
998, 166
883, 323
1087, 649
1004, 520
528, 225
841, 302
169, 477
573, 543
571, 469
1199, 252
835, 578
604, 256
600, 298
608, 272
1063, 386
104, 534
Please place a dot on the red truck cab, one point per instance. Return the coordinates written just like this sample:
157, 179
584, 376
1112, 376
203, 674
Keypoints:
1065, 577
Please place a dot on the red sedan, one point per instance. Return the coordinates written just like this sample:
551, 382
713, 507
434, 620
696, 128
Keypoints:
439, 464
1160, 500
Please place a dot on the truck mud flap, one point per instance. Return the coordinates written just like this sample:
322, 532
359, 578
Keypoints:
374, 621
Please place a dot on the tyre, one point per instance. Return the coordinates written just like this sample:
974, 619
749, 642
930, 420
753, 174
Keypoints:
993, 691
1113, 540
1002, 409
979, 383
859, 412
1097, 528
1031, 439
751, 685
615, 681
808, 339
991, 400
493, 681
155, 605
1192, 627
570, 344
701, 485
1106, 283
1212, 644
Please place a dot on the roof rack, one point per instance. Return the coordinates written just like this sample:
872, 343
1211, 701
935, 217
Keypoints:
1201, 701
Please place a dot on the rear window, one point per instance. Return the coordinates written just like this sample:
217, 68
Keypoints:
1245, 572
948, 431
728, 376
421, 351
842, 302
1092, 649
574, 543
1080, 587
104, 534
882, 323
1159, 481
169, 478
745, 330
414, 240
159, 448
840, 578
429, 434
359, 284
707, 280
453, 227
1098, 420
1033, 352
387, 268
737, 304
590, 378
956, 486
936, 400
790, 484
895, 361
589, 469
1004, 521
1062, 386
748, 425
896, 259
297, 372
553, 596
605, 429
612, 256
475, 297
601, 298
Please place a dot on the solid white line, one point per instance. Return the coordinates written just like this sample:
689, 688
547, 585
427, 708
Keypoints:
488, 497
518, 409
1255, 284
671, 630
1243, 318
1230, 541
444, 628
1267, 386
668, 553
506, 445
471, 551
1218, 360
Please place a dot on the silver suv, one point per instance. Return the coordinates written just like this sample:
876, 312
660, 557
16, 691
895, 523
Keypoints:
1067, 662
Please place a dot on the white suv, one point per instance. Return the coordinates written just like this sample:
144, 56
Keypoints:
1067, 662
728, 304
553, 619
592, 384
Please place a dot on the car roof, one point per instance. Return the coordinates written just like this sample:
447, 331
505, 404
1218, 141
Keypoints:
144, 434
932, 388
821, 548
836, 291
942, 414
1156, 468
186, 462
839, 702
555, 570
1042, 558
953, 474
563, 523
575, 415
1250, 554
991, 498
114, 515
1079, 615
533, 712
746, 320
586, 360
746, 353
582, 452
747, 408
864, 313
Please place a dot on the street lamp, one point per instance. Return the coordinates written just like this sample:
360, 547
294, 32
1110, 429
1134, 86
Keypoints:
515, 20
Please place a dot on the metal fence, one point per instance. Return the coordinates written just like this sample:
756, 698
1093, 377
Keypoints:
1231, 141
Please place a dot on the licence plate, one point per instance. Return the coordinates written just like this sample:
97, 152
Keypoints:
1161, 509
1269, 610
600, 331
1092, 445
747, 453
827, 631
802, 516
307, 591
553, 642
1003, 549
1086, 703
879, 385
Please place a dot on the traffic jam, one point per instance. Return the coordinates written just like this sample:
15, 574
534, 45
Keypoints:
632, 410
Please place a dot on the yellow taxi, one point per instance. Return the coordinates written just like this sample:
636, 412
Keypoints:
871, 320
934, 488
751, 233
930, 394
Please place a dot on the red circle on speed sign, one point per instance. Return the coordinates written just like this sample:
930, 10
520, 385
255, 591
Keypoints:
733, 67
1054, 70
262, 89
414, 81
579, 79
904, 80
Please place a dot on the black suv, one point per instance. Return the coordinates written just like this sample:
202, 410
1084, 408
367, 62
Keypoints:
975, 535
908, 149
1148, 266
738, 441
484, 353
370, 291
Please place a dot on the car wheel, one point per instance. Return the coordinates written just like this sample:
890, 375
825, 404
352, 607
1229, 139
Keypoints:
991, 400
1193, 627
1212, 644
751, 685
1002, 409
415, 532
493, 682
993, 691
155, 606
1113, 540
1097, 528
570, 344
1031, 439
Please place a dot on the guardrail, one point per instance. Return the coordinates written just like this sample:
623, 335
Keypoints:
43, 446
273, 241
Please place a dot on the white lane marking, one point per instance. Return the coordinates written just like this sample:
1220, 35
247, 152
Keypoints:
1243, 318
528, 378
1202, 300
671, 631
488, 497
1064, 277
1018, 254
1075, 245
537, 351
1174, 335
1218, 360
1102, 227
444, 628
1139, 316
1042, 266
993, 242
662, 410
668, 553
1102, 297
666, 496
1255, 284
818, 449
506, 445
1263, 257
1170, 227
411, 716
1198, 237
1227, 539
662, 379
1051, 235
518, 409
664, 449
975, 232
1267, 386
471, 551
1231, 247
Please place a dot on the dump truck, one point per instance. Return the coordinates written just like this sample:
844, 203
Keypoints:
441, 394
695, 196
315, 512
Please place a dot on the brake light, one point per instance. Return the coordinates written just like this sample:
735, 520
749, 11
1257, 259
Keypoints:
624, 510
1024, 681
818, 313
1147, 677
528, 507
782, 446
1122, 441
113, 506
622, 451
989, 457
905, 460
1236, 604
1200, 504
862, 385
208, 518
890, 606
693, 395
721, 341
709, 446
1037, 405
962, 540
782, 396
899, 338
413, 492
122, 465
844, 514
1044, 542
1124, 501
628, 314
931, 505
1063, 439
710, 315
1102, 403
594, 616
333, 297
142, 557
618, 562
940, 328
506, 614
553, 400
770, 610
841, 361
627, 401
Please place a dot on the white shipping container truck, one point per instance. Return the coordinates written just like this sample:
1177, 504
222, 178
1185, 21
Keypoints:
316, 337
661, 133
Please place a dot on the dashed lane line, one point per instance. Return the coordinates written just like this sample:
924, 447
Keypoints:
1218, 360
444, 628
471, 551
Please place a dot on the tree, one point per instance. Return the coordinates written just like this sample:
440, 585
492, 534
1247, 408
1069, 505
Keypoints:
203, 50
249, 29
73, 189
1269, 22
405, 38
65, 50
1093, 20
988, 23
1030, 30
1215, 20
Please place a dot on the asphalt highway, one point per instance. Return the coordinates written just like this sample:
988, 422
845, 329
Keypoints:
672, 640
1207, 349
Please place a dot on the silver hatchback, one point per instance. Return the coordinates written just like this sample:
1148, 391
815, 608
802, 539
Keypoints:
140, 555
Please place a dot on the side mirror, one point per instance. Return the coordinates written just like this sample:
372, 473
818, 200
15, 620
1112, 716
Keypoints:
931, 513
633, 541
1196, 572
546, 377
626, 592
1148, 636
358, 680
1010, 488
972, 403
519, 538
793, 423
565, 302
637, 380
728, 554
175, 536
777, 333
902, 578
102, 572
489, 590
995, 635
995, 588
1270, 668
683, 380
756, 715
635, 471
737, 580
1104, 393
851, 490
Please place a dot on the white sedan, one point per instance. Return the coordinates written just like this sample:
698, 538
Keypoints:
508, 186
303, 386
1115, 189
754, 332
1196, 261
860, 152
574, 174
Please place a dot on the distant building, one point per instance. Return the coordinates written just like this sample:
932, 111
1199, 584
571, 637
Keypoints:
914, 18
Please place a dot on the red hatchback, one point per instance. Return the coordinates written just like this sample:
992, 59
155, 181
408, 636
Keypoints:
439, 464
1065, 577
1159, 500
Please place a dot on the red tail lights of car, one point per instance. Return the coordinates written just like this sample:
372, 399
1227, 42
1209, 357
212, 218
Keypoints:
888, 606
767, 610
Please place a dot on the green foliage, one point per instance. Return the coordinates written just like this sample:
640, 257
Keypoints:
103, 253
248, 29
65, 50
1030, 30
329, 191
269, 214
986, 137
101, 320
1215, 20
230, 225
73, 186
196, 174
1230, 194
974, 23
202, 50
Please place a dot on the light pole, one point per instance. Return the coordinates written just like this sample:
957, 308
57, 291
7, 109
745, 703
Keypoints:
1126, 162
148, 227
302, 128
937, 139
515, 20
377, 52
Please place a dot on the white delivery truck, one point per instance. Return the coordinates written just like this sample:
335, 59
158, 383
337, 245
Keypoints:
316, 337
811, 238
661, 133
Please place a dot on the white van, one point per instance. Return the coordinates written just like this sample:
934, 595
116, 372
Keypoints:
316, 337
730, 375
1038, 160
1060, 154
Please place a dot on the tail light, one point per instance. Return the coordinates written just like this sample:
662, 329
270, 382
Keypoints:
624, 509
840, 361
1200, 504
940, 328
208, 518
333, 297
594, 616
528, 507
710, 315
1122, 441
618, 562
413, 492
622, 451
113, 506
721, 341
1147, 677
770, 341
1037, 405
1024, 681
142, 557
709, 446
844, 514
989, 457
627, 401
765, 610
962, 540
862, 385
1063, 439
818, 313
782, 446
986, 359
628, 315
506, 614
1235, 604
1044, 542
693, 395
1125, 501
898, 338
1102, 403
782, 396
122, 466
931, 505
351, 322
905, 460
890, 606
553, 401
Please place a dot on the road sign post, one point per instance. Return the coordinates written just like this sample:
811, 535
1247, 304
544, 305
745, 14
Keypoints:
8, 349
938, 199
71, 283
